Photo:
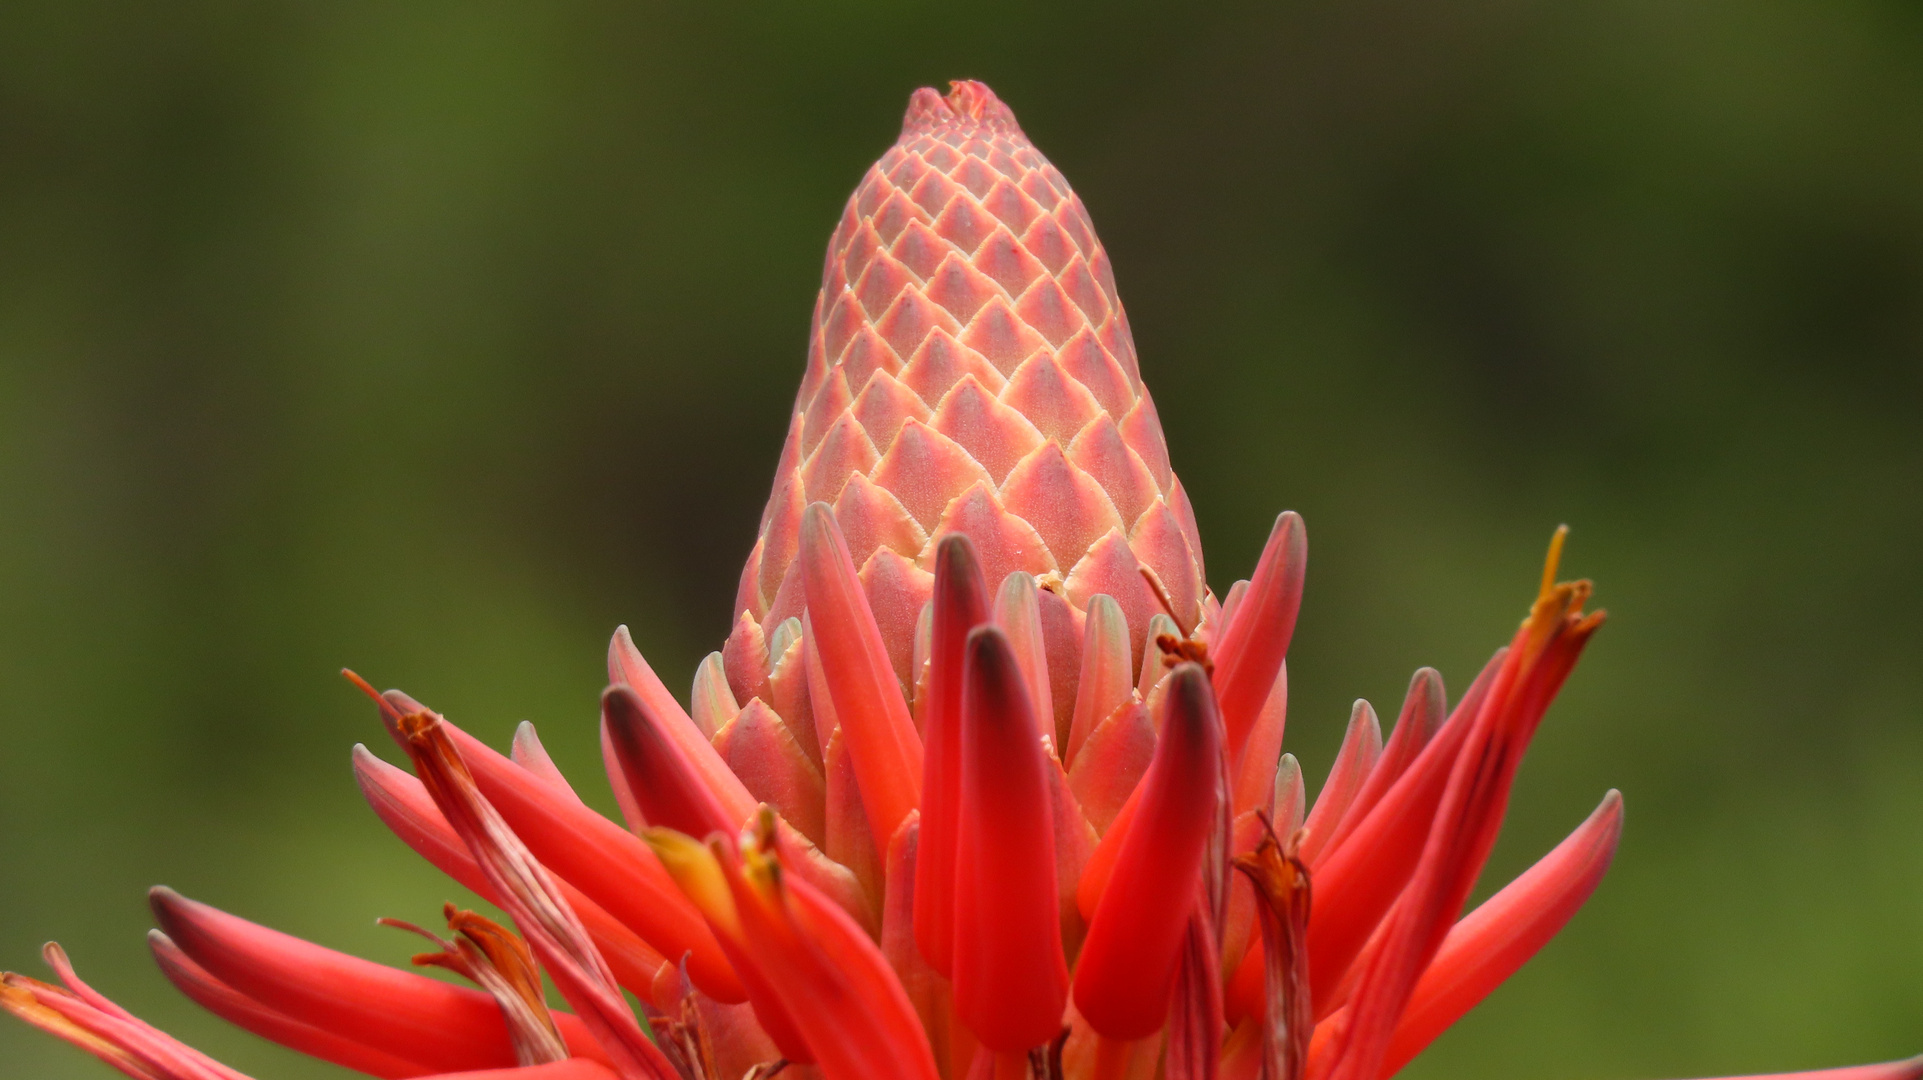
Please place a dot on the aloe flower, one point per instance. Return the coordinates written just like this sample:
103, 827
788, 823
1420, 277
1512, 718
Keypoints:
986, 782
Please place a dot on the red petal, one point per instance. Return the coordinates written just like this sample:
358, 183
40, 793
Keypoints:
1491, 942
960, 604
851, 840
1018, 612
1466, 821
1110, 765
532, 898
1110, 568
571, 1069
1011, 980
1004, 543
747, 659
926, 988
1907, 1069
776, 770
396, 1012
1108, 672
626, 665
1062, 634
1356, 885
1423, 709
1255, 773
663, 783
83, 1018
1253, 645
861, 682
896, 590
711, 702
242, 1011
871, 519
1195, 1021
832, 979
1361, 746
1128, 964
527, 752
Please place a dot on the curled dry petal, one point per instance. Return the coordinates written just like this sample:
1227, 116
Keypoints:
529, 895
1283, 904
606, 862
405, 807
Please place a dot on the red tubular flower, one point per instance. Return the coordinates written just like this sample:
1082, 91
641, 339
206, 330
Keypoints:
1127, 967
1011, 980
985, 784
960, 604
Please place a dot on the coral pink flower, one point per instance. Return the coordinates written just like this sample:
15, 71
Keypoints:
986, 782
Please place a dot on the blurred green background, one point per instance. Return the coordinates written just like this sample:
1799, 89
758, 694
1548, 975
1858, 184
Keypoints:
438, 339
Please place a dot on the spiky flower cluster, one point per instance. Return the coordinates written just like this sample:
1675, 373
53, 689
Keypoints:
986, 782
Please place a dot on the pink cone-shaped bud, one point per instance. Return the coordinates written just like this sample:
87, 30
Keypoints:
968, 330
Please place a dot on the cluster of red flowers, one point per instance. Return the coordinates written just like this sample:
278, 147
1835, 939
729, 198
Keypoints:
985, 784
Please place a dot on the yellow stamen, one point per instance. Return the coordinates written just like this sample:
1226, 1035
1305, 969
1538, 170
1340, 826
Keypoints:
1553, 561
697, 870
1558, 605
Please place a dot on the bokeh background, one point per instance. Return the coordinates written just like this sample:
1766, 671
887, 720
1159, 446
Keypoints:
436, 339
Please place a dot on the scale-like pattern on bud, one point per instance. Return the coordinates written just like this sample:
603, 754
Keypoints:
970, 369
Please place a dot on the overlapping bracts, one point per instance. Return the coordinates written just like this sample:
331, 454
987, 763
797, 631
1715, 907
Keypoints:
970, 370
986, 783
